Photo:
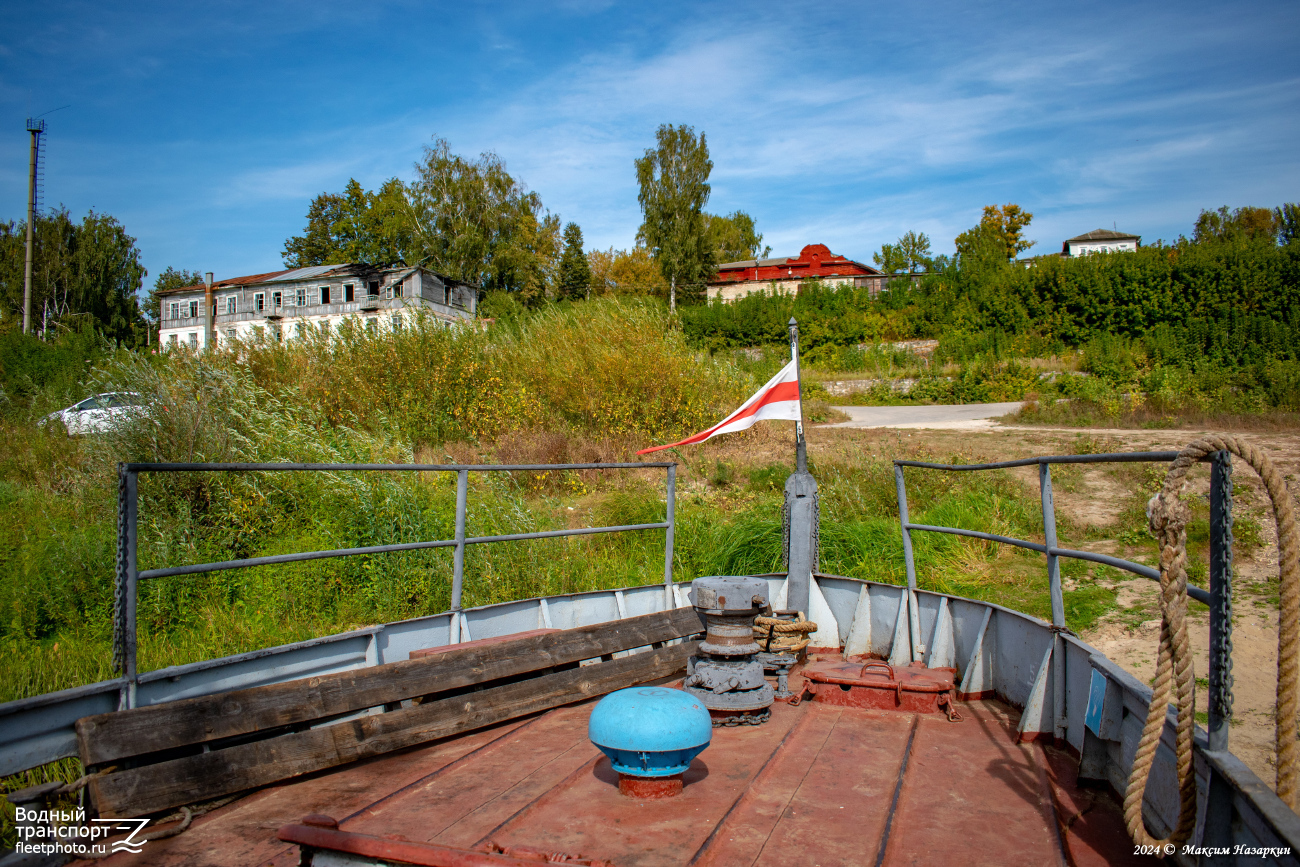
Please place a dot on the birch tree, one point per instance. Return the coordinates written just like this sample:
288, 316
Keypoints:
674, 181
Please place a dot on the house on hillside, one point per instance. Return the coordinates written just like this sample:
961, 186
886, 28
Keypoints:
283, 304
785, 275
1100, 241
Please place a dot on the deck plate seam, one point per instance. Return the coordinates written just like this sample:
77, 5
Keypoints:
708, 841
495, 742
898, 790
795, 793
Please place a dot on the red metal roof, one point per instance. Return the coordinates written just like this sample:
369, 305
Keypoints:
814, 260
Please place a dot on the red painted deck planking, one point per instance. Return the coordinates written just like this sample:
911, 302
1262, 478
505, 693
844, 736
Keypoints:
817, 784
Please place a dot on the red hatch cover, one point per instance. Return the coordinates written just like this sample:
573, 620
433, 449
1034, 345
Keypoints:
881, 686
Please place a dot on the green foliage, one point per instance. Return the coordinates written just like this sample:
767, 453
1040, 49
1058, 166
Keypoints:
88, 270
674, 188
476, 223
1287, 219
356, 226
618, 369
1002, 227
1251, 223
168, 280
467, 219
911, 255
44, 375
734, 238
575, 272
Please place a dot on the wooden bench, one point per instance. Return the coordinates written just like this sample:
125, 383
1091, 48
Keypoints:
196, 749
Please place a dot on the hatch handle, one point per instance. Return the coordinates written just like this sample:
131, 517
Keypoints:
875, 663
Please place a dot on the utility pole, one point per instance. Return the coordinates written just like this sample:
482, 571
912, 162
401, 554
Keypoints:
209, 315
35, 127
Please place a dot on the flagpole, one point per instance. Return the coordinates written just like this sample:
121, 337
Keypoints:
800, 448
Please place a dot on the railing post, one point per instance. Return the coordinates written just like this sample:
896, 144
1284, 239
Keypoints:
1049, 536
1219, 795
458, 561
1059, 722
913, 616
669, 602
903, 520
1220, 691
126, 637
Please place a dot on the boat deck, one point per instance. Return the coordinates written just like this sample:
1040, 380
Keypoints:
816, 785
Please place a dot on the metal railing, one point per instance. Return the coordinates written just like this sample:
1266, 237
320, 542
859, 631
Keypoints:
129, 575
1218, 597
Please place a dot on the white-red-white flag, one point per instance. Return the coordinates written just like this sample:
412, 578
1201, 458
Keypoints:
778, 400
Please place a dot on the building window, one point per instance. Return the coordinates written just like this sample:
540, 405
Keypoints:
231, 335
372, 324
397, 289
277, 300
194, 309
232, 304
259, 301
174, 310
300, 330
325, 326
324, 294
259, 334
277, 334
302, 298
397, 323
347, 293
172, 339
372, 288
194, 339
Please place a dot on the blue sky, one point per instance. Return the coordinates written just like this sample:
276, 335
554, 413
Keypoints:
207, 128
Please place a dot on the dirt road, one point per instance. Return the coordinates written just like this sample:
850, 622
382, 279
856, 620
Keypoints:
971, 416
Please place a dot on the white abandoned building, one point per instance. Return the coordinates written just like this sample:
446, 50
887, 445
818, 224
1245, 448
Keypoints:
283, 305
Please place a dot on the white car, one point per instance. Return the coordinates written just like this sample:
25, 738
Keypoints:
98, 413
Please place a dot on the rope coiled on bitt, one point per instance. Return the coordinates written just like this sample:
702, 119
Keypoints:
783, 636
1168, 516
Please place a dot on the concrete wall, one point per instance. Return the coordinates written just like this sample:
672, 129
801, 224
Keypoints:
732, 291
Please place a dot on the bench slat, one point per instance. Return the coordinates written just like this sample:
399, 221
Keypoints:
161, 786
108, 738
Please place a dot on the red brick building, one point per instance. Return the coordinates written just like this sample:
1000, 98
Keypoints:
784, 275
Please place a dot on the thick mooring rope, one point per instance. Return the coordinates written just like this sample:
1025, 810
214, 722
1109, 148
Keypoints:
1168, 517
787, 636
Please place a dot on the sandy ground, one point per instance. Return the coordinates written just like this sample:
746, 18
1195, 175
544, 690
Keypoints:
1096, 497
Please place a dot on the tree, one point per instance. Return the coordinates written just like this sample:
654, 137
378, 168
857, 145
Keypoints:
1287, 219
734, 237
476, 223
626, 272
1006, 224
911, 255
91, 269
575, 272
1247, 222
167, 280
468, 219
674, 182
375, 228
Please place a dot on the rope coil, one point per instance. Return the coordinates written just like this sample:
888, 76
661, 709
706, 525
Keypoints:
779, 635
1167, 515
